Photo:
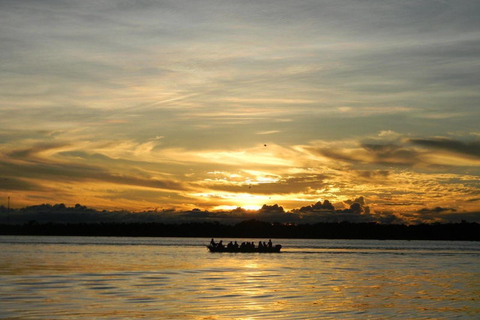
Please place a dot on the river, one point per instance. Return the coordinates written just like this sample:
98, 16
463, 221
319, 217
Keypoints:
177, 278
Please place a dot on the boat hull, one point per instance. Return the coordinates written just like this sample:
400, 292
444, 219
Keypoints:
275, 249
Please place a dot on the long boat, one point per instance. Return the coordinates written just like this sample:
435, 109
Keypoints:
265, 249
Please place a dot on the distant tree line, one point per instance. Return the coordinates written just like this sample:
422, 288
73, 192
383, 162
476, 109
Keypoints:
253, 229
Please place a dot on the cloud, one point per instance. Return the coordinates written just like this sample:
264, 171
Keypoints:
271, 209
360, 200
10, 184
461, 216
408, 152
356, 212
269, 184
42, 163
357, 206
377, 176
384, 154
319, 206
268, 132
442, 215
444, 144
435, 210
318, 212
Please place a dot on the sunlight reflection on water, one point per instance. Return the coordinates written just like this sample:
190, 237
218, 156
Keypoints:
168, 278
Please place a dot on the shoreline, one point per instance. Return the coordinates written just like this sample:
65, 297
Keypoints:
252, 229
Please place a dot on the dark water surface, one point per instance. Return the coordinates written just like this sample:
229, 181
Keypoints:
177, 278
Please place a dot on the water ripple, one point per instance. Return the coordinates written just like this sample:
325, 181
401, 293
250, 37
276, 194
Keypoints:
189, 283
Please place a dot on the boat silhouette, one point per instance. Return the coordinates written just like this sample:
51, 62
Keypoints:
276, 248
245, 247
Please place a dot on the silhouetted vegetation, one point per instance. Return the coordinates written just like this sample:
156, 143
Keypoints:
253, 229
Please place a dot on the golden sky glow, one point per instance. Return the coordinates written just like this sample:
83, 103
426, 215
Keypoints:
217, 105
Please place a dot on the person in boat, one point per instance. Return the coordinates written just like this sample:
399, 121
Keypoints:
220, 245
270, 243
212, 243
235, 245
260, 245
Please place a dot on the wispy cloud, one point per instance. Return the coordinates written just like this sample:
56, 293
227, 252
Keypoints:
268, 132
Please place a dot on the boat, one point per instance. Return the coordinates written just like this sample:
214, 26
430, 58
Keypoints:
274, 249
213, 247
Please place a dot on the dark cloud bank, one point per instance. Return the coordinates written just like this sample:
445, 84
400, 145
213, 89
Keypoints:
355, 211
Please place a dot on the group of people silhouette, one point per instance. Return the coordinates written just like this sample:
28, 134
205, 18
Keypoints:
244, 245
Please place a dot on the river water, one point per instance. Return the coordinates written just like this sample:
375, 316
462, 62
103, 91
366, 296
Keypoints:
177, 278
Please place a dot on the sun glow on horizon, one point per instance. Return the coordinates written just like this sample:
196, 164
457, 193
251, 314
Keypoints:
252, 207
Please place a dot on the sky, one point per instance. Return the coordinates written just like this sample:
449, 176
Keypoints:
154, 105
